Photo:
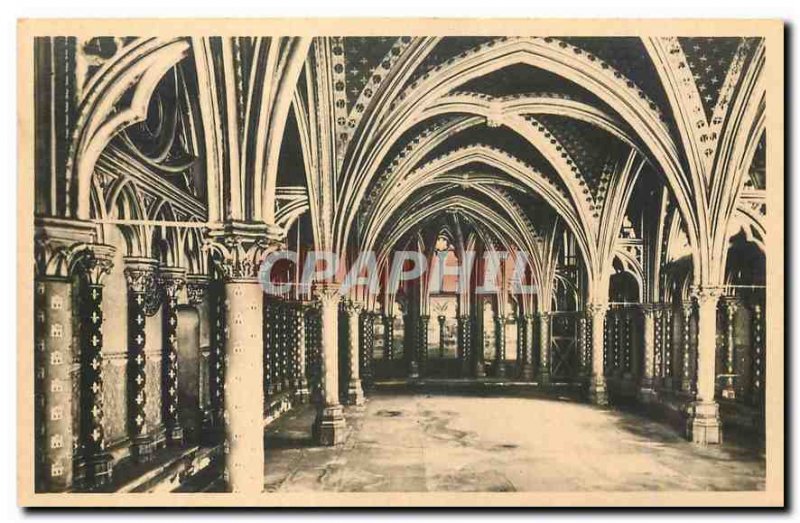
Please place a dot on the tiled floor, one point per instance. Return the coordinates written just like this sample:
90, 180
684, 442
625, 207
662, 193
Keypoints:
420, 442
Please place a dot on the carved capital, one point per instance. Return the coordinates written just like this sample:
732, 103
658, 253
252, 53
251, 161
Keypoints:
95, 262
196, 288
140, 274
707, 295
597, 309
59, 244
238, 249
327, 294
353, 307
172, 280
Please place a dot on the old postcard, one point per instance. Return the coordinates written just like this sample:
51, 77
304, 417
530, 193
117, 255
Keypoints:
401, 263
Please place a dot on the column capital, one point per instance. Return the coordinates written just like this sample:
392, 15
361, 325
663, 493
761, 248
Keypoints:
172, 280
59, 243
596, 309
140, 274
196, 288
707, 294
95, 262
424, 317
353, 307
326, 293
238, 248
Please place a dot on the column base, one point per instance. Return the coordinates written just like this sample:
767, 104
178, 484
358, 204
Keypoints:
413, 370
355, 393
480, 370
329, 427
175, 436
302, 394
143, 448
500, 370
99, 470
703, 425
467, 370
527, 372
646, 394
598, 395
544, 379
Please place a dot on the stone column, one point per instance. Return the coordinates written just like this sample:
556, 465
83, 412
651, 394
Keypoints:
757, 380
544, 348
172, 280
464, 351
686, 360
500, 348
646, 392
422, 340
388, 332
140, 274
367, 345
96, 462
728, 387
527, 348
329, 427
301, 379
355, 392
441, 319
238, 250
57, 248
703, 424
597, 381
410, 344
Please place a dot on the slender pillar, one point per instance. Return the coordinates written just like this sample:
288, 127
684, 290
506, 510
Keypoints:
597, 383
388, 333
544, 348
464, 351
329, 427
367, 346
703, 424
728, 387
140, 274
237, 250
500, 348
527, 347
172, 280
757, 381
686, 347
422, 341
646, 392
301, 379
355, 392
441, 319
96, 462
410, 336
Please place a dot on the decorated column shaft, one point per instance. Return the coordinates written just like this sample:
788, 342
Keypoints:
500, 347
355, 392
544, 348
388, 333
172, 280
649, 338
367, 346
441, 319
237, 250
528, 352
422, 341
729, 357
301, 379
140, 274
96, 462
329, 427
597, 382
465, 345
703, 424
686, 348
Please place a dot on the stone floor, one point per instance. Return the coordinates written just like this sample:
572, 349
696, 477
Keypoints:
423, 442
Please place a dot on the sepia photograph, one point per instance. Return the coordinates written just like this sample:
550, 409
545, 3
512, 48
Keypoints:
400, 263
